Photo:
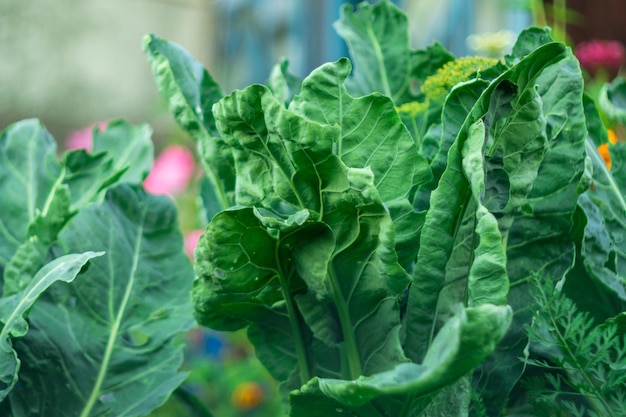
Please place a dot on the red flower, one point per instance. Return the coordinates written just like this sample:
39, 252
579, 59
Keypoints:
171, 172
595, 55
83, 138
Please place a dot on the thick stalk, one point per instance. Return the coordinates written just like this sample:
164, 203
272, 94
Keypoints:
296, 324
351, 361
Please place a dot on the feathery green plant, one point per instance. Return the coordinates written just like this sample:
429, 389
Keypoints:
584, 361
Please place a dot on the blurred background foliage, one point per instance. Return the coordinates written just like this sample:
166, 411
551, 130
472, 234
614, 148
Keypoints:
77, 64
72, 62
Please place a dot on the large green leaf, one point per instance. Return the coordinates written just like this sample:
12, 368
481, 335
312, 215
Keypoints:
13, 310
296, 280
28, 172
527, 41
130, 147
32, 254
104, 344
520, 121
123, 153
244, 279
603, 249
372, 134
378, 39
457, 105
284, 85
540, 239
266, 169
287, 267
463, 342
191, 92
188, 88
87, 175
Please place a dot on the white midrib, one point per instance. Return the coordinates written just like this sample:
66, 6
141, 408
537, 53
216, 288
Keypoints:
381, 61
96, 391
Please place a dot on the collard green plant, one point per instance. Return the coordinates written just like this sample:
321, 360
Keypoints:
87, 341
374, 241
376, 227
577, 334
13, 309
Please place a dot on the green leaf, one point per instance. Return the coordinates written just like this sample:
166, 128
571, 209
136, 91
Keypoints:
130, 146
540, 238
31, 255
527, 41
245, 278
378, 40
315, 220
218, 187
252, 266
490, 169
13, 310
276, 151
591, 357
191, 93
124, 153
235, 257
88, 175
519, 189
29, 170
188, 88
612, 100
372, 134
603, 249
105, 344
284, 85
456, 108
463, 342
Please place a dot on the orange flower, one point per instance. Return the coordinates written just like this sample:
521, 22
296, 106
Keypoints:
603, 149
612, 136
247, 395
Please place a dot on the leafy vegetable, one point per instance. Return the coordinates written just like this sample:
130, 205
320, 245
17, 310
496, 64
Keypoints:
378, 231
128, 362
370, 260
13, 308
103, 343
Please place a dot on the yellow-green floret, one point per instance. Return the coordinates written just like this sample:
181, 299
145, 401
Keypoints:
437, 86
412, 108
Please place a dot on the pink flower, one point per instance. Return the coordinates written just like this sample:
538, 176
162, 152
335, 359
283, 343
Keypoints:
83, 138
191, 241
171, 172
595, 55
